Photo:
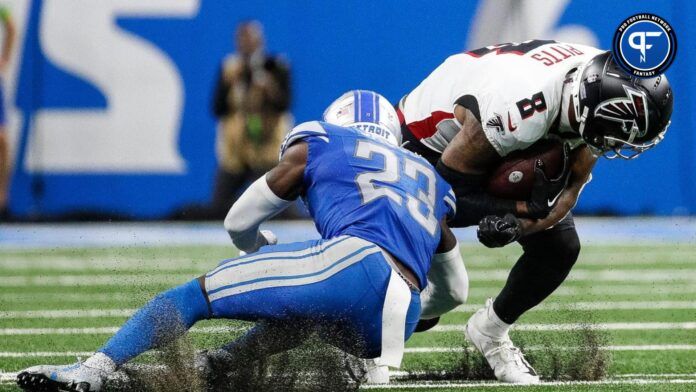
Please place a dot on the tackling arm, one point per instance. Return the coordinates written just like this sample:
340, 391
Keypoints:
265, 198
448, 282
464, 164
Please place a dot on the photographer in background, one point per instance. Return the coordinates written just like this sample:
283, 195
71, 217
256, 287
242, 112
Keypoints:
251, 101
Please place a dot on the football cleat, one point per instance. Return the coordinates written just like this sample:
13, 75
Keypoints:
375, 373
72, 378
506, 360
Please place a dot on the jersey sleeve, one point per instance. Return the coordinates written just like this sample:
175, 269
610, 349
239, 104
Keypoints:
451, 203
511, 126
310, 129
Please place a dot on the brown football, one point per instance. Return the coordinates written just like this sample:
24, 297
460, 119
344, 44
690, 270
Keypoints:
514, 177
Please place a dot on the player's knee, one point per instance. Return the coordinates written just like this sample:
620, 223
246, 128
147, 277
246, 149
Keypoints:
570, 250
187, 299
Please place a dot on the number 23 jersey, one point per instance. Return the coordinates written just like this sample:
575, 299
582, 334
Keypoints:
513, 89
361, 186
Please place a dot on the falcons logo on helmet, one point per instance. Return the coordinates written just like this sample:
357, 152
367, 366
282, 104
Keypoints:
631, 112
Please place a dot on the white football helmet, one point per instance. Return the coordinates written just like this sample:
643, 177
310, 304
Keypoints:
368, 112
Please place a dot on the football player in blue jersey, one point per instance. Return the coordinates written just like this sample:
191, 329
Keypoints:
381, 214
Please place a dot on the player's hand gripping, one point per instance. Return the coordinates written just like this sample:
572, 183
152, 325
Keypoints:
546, 192
495, 232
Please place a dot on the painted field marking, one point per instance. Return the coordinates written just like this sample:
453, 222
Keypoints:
408, 350
621, 305
661, 275
476, 384
617, 305
576, 326
647, 347
563, 291
439, 328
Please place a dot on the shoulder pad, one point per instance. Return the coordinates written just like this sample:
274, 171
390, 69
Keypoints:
302, 131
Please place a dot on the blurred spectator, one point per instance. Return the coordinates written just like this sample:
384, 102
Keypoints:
5, 56
251, 101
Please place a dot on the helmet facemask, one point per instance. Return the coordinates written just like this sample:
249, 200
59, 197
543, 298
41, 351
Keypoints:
621, 116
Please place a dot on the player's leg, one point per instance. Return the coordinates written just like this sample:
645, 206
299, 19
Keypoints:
160, 321
341, 285
547, 259
546, 262
266, 338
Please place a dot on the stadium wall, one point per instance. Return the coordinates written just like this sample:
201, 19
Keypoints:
109, 100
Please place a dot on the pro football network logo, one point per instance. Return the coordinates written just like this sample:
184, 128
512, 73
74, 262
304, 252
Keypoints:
645, 45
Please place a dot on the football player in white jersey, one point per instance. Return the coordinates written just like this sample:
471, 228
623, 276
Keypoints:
479, 106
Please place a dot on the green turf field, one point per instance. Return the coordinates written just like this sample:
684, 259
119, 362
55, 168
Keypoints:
640, 300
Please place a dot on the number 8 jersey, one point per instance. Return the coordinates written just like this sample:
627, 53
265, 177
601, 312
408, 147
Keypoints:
361, 186
513, 89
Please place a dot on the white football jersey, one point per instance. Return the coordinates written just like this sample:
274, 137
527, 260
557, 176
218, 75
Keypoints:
514, 89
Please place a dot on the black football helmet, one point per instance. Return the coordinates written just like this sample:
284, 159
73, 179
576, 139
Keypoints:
620, 115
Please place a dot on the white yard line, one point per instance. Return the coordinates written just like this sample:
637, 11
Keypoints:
109, 263
450, 385
657, 275
575, 326
617, 305
439, 328
647, 347
408, 350
621, 305
608, 290
9, 377
68, 313
563, 291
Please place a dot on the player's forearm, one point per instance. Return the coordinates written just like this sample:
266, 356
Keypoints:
256, 205
473, 203
448, 284
565, 203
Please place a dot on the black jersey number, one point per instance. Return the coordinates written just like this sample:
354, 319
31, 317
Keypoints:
528, 107
518, 48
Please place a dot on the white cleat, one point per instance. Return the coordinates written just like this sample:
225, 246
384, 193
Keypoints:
75, 378
506, 360
375, 373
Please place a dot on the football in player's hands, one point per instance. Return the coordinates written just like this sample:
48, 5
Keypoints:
514, 178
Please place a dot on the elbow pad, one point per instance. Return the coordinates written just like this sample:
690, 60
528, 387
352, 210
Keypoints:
448, 284
256, 205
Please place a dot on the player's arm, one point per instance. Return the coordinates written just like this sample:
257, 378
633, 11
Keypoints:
464, 164
448, 282
582, 162
265, 198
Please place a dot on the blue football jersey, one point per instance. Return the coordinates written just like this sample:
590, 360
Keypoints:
362, 186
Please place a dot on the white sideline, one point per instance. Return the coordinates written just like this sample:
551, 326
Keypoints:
619, 305
408, 350
439, 328
656, 275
